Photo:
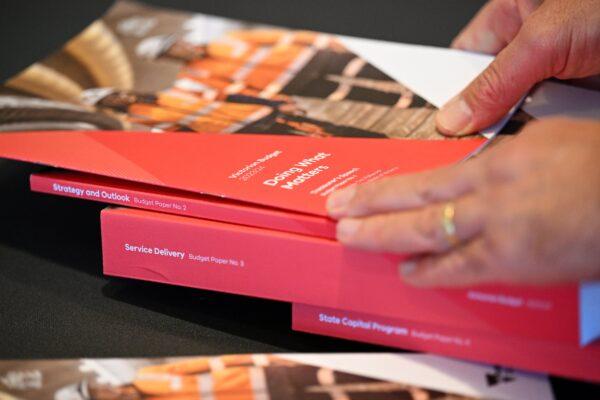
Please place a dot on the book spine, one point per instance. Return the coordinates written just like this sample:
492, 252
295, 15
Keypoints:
69, 185
109, 195
294, 268
530, 354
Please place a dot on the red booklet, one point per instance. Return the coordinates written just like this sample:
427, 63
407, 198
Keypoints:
321, 272
179, 202
539, 355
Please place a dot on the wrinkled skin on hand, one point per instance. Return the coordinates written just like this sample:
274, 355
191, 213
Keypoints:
526, 211
533, 41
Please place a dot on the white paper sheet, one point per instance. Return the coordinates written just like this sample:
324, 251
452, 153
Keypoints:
438, 74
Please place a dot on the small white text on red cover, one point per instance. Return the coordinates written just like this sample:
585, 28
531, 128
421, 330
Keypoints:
248, 168
163, 252
297, 173
505, 300
367, 325
57, 187
97, 193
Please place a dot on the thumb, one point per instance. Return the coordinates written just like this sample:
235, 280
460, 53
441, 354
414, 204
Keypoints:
518, 67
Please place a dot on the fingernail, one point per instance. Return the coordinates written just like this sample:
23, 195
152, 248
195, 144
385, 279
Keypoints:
407, 267
455, 117
346, 229
488, 42
338, 201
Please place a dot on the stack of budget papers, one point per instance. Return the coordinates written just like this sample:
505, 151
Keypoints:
216, 142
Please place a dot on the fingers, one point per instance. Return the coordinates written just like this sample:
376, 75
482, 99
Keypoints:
494, 26
524, 62
463, 266
415, 231
404, 192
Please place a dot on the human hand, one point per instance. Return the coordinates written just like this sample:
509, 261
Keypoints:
533, 40
526, 211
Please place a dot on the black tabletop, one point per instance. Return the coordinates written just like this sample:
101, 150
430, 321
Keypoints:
54, 301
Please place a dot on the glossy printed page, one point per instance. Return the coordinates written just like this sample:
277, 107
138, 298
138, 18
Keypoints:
253, 376
145, 68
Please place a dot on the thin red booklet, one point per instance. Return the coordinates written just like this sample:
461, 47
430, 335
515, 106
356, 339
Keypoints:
562, 359
156, 198
320, 272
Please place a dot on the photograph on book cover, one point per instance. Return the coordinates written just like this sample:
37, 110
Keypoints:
232, 377
153, 69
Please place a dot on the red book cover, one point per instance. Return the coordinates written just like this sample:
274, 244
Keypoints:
295, 268
285, 172
546, 356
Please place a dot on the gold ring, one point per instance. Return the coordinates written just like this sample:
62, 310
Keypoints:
448, 224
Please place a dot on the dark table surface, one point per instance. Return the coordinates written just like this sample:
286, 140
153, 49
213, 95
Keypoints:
54, 301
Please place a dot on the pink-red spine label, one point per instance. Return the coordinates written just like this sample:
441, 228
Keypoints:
101, 189
530, 354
